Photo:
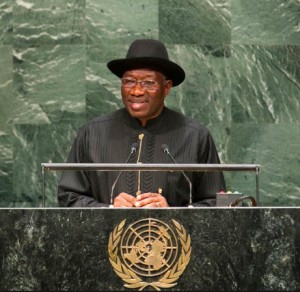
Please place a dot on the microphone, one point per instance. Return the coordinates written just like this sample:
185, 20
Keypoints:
133, 148
165, 148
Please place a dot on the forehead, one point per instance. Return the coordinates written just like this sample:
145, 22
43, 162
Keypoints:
143, 73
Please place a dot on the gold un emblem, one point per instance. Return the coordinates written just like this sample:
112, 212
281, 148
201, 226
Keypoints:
149, 252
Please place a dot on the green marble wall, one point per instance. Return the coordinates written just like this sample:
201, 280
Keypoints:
242, 61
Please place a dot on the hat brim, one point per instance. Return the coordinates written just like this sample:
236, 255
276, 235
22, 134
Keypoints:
167, 67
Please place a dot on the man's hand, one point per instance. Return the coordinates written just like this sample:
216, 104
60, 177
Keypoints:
124, 200
151, 200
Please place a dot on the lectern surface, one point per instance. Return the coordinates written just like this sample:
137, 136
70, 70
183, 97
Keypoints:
178, 249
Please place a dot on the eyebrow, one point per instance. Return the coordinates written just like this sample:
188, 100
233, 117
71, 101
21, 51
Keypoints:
145, 76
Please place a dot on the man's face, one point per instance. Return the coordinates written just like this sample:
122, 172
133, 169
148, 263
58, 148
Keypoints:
144, 100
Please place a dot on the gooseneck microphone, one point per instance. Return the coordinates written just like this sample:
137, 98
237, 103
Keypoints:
133, 149
165, 148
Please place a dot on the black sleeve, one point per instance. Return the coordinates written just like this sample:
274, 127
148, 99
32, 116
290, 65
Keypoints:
207, 184
74, 189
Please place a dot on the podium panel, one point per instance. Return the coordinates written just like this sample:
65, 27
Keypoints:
175, 249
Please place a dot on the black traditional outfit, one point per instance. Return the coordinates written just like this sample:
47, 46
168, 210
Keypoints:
108, 139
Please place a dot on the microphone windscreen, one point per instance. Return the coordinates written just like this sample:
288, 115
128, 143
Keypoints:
164, 147
134, 146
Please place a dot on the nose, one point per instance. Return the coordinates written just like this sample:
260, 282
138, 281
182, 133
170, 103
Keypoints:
137, 90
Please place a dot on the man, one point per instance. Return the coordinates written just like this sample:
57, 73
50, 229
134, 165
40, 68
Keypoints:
157, 133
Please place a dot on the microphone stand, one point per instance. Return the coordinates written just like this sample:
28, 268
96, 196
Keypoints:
132, 150
166, 150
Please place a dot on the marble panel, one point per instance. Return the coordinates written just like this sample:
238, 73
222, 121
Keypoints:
265, 84
45, 22
268, 22
6, 22
195, 22
7, 110
8, 102
276, 149
33, 145
50, 80
113, 22
6, 165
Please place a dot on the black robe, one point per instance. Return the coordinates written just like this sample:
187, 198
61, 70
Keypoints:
108, 139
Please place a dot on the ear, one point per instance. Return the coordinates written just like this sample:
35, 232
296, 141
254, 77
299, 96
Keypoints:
168, 87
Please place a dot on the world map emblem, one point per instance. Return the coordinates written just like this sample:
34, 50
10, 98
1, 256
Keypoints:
149, 253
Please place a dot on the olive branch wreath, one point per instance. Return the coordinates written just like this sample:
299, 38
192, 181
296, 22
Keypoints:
131, 278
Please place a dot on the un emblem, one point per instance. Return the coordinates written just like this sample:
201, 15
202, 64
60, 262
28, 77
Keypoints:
149, 252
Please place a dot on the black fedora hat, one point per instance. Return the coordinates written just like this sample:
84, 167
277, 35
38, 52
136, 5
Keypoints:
148, 53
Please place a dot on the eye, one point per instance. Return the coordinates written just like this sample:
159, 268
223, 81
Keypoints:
149, 83
128, 82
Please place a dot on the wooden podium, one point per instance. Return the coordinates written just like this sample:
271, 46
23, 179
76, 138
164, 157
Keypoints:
176, 249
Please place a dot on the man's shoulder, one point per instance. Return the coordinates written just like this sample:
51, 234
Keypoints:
103, 119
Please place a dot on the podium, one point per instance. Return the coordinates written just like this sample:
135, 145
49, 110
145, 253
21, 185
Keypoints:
218, 249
